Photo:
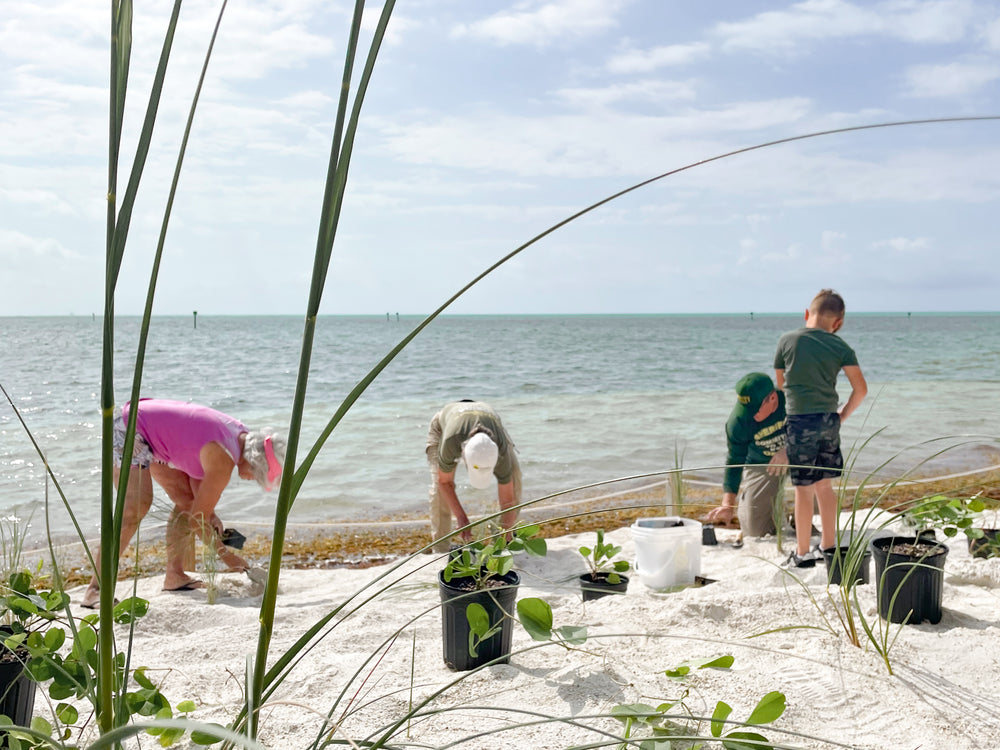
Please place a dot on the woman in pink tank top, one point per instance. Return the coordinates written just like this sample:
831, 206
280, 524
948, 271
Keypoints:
190, 451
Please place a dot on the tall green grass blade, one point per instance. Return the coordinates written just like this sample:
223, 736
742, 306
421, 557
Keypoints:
111, 514
340, 159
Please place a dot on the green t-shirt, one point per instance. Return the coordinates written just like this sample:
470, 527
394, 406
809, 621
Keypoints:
461, 420
751, 442
812, 358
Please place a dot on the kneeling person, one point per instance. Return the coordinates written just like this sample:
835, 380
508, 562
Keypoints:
755, 435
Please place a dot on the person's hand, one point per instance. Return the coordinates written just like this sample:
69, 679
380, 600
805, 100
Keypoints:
233, 562
466, 535
723, 514
778, 464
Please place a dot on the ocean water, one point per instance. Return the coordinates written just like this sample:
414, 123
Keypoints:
585, 398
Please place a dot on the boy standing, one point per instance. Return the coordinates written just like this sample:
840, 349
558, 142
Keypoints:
806, 366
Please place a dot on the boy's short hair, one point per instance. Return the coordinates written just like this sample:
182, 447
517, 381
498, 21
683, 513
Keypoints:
828, 302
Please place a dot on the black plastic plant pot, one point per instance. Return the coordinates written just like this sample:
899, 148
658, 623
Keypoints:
708, 535
595, 588
17, 689
987, 546
909, 576
496, 599
839, 559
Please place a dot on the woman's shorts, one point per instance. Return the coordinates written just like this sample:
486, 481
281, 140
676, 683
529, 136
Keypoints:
813, 447
142, 456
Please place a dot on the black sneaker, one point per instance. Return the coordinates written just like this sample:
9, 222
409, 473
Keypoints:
795, 560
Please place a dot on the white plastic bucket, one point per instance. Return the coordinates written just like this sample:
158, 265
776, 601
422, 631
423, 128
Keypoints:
667, 555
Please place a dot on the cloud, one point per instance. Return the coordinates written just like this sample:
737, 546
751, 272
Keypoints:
904, 245
398, 27
950, 80
43, 200
830, 240
991, 34
542, 24
16, 248
641, 91
312, 101
578, 144
786, 31
646, 61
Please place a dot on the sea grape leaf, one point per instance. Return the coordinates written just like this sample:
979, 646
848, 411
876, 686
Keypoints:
719, 716
574, 635
769, 708
536, 617
478, 618
537, 547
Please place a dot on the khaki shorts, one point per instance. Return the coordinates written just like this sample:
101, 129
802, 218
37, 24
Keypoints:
756, 501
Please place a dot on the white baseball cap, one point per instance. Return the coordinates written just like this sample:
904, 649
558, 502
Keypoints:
480, 455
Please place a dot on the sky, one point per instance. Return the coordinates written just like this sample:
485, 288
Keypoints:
486, 123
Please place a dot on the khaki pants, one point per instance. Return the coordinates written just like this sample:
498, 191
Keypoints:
439, 510
755, 501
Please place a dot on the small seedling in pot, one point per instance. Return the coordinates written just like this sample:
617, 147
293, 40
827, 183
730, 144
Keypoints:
493, 558
600, 560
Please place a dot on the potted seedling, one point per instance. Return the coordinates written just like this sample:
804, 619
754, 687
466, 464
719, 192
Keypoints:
17, 688
478, 588
604, 576
955, 515
909, 577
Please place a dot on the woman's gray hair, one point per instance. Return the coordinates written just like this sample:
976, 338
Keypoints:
256, 455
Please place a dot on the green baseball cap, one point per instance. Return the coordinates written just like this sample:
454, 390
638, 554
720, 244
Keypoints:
751, 391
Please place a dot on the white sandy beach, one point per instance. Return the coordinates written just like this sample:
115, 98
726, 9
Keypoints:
942, 696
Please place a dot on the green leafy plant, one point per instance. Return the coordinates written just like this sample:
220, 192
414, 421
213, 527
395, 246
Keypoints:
950, 515
493, 557
600, 560
672, 722
536, 616
39, 629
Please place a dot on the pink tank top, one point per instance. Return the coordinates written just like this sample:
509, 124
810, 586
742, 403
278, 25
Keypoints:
176, 432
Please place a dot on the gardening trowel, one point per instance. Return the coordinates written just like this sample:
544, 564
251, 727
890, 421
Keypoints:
257, 574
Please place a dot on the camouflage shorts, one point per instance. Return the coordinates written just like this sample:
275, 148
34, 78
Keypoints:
142, 456
813, 447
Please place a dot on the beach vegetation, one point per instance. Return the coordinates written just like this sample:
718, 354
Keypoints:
676, 483
870, 509
673, 724
601, 560
954, 515
482, 560
59, 653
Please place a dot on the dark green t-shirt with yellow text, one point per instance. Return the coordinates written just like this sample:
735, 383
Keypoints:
751, 442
